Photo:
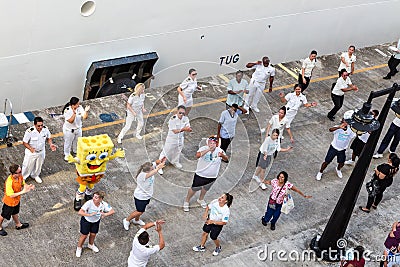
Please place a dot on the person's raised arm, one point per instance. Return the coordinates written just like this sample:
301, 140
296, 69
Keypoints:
295, 189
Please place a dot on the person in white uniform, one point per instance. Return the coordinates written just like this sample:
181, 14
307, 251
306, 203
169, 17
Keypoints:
263, 71
306, 70
394, 61
342, 85
141, 250
177, 126
279, 121
347, 60
134, 112
236, 88
73, 113
186, 90
34, 142
293, 102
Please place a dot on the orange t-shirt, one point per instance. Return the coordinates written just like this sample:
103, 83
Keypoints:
12, 186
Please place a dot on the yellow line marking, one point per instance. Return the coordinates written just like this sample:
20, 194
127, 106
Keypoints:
223, 77
163, 112
291, 73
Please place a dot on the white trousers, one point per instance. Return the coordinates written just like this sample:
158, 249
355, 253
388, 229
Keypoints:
290, 114
128, 123
32, 164
172, 150
71, 140
255, 92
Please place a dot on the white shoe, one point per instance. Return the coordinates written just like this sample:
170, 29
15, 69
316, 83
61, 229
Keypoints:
78, 252
257, 179
160, 171
38, 180
126, 224
139, 137
66, 158
93, 247
339, 173
319, 176
263, 186
178, 165
391, 152
186, 206
202, 203
377, 156
139, 222
349, 162
119, 140
255, 109
262, 130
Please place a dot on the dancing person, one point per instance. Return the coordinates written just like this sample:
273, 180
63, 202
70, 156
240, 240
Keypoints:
393, 62
141, 250
306, 70
134, 112
14, 187
34, 142
216, 216
143, 192
382, 179
73, 113
186, 90
177, 126
263, 72
342, 85
347, 60
280, 122
227, 125
92, 212
270, 145
280, 187
293, 102
208, 165
236, 88
392, 133
342, 136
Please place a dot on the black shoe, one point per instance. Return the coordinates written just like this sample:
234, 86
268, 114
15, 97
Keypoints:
263, 222
77, 204
88, 197
3, 232
23, 226
331, 118
387, 77
272, 226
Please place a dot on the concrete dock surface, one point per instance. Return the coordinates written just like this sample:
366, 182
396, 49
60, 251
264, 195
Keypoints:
52, 236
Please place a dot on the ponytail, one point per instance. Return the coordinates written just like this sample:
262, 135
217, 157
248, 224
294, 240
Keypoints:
229, 199
145, 167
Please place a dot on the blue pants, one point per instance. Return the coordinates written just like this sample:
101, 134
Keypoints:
273, 213
393, 132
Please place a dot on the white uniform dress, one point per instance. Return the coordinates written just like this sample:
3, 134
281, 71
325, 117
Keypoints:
174, 142
136, 103
32, 164
278, 124
257, 83
349, 61
293, 104
188, 87
72, 130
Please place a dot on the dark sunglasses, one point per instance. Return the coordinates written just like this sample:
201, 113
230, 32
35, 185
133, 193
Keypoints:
183, 113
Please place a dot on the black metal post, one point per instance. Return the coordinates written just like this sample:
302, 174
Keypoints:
337, 224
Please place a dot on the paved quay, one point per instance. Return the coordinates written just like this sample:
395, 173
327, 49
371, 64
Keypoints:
52, 237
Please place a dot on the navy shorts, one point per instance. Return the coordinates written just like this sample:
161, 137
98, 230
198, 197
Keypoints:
7, 211
213, 230
202, 182
332, 153
89, 227
141, 204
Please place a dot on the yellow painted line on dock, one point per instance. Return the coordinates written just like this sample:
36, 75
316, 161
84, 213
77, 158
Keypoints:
223, 77
291, 73
205, 103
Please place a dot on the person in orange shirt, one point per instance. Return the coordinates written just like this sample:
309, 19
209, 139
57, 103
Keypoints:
13, 189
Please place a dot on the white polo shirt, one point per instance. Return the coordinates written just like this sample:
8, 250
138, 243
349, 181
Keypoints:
294, 102
341, 84
308, 66
262, 73
35, 139
188, 86
278, 124
348, 59
140, 254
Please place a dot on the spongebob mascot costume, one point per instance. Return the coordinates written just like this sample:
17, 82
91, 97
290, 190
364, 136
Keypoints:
91, 159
